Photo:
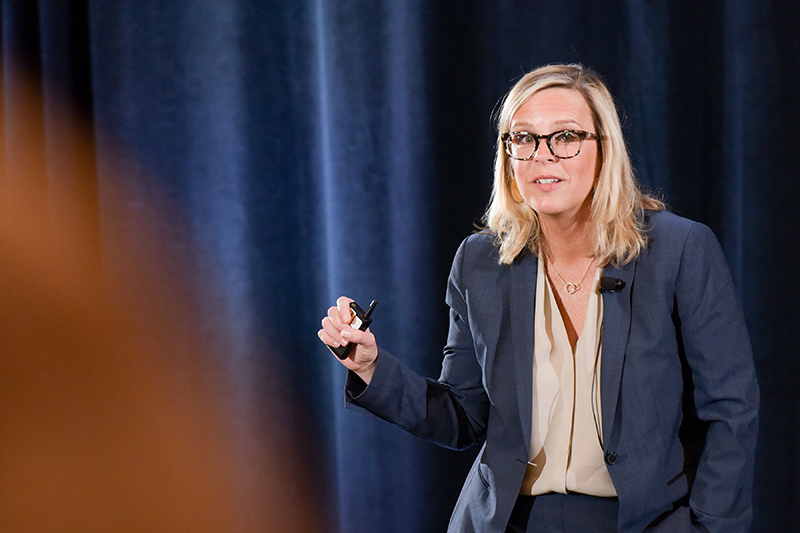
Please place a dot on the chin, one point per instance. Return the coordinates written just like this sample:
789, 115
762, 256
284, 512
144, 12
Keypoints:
545, 208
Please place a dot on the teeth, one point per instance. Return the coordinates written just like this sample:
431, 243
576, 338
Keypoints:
547, 181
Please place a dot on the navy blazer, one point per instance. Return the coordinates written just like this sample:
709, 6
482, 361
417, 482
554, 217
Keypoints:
678, 386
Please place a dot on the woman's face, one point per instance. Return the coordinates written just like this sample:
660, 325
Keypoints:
556, 188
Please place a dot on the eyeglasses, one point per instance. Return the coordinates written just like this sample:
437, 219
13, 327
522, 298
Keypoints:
564, 144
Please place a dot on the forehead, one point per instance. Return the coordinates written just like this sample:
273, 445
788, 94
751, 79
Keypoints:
554, 107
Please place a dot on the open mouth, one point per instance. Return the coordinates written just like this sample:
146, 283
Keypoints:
547, 181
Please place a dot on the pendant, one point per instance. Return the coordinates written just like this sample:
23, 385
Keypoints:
572, 288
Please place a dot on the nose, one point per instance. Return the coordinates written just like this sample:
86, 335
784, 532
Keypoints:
543, 154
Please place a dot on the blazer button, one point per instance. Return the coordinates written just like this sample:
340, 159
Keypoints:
611, 458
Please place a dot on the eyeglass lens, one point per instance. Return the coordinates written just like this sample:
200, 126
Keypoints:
562, 144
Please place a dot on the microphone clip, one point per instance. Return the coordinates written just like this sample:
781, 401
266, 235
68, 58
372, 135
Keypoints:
609, 284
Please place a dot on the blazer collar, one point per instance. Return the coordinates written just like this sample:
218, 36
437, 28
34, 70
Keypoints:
522, 302
616, 331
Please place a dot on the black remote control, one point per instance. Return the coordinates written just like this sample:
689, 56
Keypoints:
359, 319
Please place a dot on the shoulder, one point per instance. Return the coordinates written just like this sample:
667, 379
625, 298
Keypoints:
668, 230
478, 248
477, 260
482, 240
665, 222
681, 246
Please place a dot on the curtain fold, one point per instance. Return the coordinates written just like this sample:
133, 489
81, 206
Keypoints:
285, 153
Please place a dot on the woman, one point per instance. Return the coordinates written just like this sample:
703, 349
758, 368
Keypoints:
596, 344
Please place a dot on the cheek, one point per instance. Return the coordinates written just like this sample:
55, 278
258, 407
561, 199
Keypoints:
518, 170
583, 176
588, 169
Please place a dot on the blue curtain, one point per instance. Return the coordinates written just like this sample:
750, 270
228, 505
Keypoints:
315, 148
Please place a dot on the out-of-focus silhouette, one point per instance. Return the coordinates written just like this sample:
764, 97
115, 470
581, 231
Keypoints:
108, 420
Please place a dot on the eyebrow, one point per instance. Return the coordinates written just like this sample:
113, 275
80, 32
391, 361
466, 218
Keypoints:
562, 124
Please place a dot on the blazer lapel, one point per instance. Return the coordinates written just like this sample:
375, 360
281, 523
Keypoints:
522, 300
616, 330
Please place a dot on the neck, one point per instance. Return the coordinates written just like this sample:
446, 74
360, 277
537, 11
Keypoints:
567, 239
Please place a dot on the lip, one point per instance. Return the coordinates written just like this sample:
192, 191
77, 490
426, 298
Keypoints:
546, 182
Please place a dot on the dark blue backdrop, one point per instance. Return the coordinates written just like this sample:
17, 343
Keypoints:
314, 148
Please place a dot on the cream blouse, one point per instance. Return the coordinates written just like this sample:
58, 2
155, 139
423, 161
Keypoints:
565, 442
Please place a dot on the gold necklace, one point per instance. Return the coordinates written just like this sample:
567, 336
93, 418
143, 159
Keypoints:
569, 286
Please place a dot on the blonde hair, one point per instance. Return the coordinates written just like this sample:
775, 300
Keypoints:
617, 202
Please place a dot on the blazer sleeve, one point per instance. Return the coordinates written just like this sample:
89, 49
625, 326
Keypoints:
451, 411
726, 395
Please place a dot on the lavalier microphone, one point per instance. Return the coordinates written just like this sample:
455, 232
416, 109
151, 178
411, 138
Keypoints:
609, 284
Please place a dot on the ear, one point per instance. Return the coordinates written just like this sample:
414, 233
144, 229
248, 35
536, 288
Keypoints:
515, 194
598, 167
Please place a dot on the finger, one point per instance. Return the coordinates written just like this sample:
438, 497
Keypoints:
364, 338
334, 317
333, 331
330, 340
366, 349
343, 304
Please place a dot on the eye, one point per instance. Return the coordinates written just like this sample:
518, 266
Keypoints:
522, 138
566, 136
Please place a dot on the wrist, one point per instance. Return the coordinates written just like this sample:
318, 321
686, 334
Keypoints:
366, 371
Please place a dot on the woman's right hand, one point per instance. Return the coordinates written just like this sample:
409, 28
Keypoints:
336, 331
